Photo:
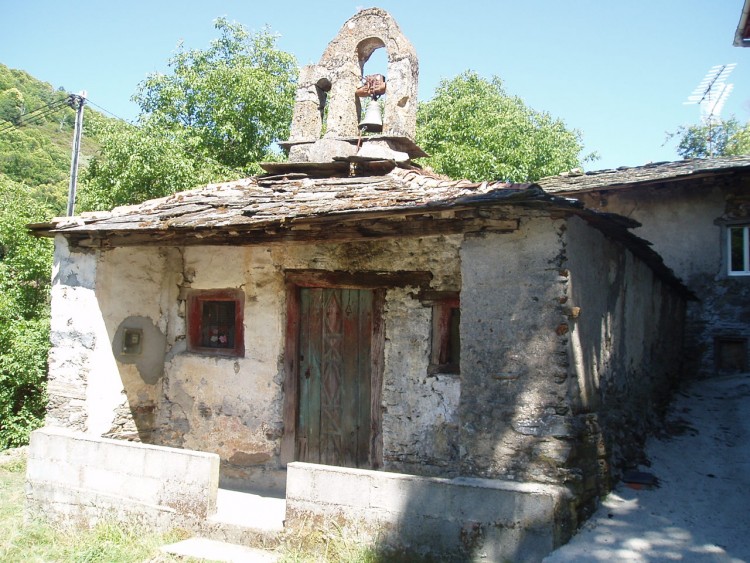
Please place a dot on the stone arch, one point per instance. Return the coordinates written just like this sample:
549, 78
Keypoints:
340, 70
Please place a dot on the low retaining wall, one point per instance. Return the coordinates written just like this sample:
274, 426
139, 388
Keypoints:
77, 478
472, 518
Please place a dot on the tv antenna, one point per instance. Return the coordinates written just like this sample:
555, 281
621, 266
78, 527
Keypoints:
711, 94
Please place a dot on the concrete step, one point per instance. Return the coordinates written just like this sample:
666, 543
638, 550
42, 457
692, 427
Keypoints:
246, 518
250, 510
213, 550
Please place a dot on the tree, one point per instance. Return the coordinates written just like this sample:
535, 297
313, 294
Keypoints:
213, 117
472, 129
722, 138
11, 105
236, 97
136, 163
25, 264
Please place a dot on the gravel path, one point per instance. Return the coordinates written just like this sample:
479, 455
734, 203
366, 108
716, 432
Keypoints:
701, 509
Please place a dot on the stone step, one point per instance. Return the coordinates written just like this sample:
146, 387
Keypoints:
213, 550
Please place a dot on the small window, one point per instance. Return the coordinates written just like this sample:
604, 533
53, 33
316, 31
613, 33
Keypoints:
739, 250
731, 354
215, 322
445, 356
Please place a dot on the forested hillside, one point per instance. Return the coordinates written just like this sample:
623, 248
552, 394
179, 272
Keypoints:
36, 133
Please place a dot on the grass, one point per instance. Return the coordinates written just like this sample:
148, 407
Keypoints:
35, 541
118, 542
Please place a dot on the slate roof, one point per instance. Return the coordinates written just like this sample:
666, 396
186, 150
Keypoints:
623, 177
294, 198
295, 207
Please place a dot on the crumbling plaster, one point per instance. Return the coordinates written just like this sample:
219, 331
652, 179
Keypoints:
558, 324
233, 406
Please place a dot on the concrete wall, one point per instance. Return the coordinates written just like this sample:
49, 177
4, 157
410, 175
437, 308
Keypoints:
74, 478
459, 519
682, 220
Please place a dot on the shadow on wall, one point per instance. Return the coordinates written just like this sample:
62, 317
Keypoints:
566, 359
139, 348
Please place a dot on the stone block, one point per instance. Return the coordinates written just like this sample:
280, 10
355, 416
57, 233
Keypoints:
326, 150
381, 151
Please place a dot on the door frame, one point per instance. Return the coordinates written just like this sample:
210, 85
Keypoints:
373, 280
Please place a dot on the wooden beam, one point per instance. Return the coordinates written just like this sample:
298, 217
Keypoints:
358, 280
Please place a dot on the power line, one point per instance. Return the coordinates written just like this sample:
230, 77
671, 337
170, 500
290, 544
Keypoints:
107, 111
32, 116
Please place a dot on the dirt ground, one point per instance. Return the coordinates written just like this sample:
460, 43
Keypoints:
700, 510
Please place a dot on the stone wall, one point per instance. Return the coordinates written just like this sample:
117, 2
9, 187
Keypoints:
623, 336
683, 221
563, 352
420, 410
571, 344
514, 402
232, 406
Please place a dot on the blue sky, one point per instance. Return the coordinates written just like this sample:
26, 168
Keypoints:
617, 71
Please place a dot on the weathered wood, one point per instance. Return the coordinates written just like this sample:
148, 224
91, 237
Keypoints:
296, 231
333, 424
364, 334
291, 369
377, 363
357, 280
197, 300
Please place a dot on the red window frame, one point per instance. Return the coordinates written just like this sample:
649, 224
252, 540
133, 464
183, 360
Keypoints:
446, 339
197, 301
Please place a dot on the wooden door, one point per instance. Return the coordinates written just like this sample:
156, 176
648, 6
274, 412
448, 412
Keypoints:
335, 340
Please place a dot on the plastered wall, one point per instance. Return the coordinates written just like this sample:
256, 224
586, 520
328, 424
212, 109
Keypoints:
233, 405
684, 224
625, 354
567, 345
514, 403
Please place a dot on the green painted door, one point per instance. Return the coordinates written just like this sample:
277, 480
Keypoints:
333, 424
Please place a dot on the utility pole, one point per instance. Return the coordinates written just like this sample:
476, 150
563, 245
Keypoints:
76, 101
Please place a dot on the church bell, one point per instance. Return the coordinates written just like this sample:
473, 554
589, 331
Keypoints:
373, 120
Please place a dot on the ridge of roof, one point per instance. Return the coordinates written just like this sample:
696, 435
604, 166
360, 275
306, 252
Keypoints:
577, 181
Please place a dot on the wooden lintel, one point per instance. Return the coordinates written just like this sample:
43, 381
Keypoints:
431, 295
323, 229
358, 280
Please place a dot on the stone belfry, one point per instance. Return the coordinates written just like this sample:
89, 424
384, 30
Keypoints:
327, 113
